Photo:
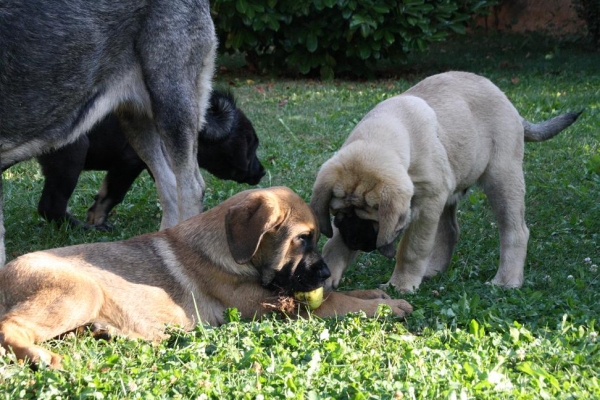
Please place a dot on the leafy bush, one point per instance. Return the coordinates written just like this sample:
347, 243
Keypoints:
589, 10
337, 36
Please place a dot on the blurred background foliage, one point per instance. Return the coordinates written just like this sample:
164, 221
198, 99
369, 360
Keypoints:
359, 38
333, 37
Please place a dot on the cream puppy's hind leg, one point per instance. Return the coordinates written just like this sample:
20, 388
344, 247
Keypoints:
507, 198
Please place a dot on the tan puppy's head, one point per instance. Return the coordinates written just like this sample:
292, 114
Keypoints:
369, 199
277, 232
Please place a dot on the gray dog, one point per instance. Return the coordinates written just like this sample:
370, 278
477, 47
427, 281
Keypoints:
65, 64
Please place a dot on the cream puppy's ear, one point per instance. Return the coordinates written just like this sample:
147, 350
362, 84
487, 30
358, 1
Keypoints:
248, 221
394, 213
321, 197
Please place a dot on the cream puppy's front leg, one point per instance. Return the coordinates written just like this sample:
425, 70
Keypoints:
338, 257
416, 247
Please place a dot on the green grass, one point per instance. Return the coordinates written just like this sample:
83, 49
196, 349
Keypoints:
466, 339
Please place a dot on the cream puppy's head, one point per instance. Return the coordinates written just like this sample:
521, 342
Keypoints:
370, 201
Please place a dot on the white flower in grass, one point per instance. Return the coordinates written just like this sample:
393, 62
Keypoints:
501, 381
521, 353
260, 397
593, 336
593, 268
547, 278
587, 260
570, 277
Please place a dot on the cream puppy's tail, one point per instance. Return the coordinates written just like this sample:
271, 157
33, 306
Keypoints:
548, 129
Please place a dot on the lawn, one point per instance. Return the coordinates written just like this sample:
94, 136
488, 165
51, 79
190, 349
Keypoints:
466, 339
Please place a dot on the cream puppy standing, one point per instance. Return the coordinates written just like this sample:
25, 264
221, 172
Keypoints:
407, 163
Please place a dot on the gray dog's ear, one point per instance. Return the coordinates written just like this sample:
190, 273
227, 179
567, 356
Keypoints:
247, 222
319, 202
394, 215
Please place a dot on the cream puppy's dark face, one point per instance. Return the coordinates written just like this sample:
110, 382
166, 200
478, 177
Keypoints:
357, 218
357, 233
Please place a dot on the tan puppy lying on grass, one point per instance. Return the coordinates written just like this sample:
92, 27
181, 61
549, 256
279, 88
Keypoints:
405, 166
249, 252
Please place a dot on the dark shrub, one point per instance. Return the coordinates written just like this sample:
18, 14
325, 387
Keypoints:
589, 11
337, 36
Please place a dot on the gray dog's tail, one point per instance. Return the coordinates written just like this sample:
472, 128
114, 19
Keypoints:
548, 129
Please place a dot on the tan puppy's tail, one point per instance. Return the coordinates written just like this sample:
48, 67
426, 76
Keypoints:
548, 129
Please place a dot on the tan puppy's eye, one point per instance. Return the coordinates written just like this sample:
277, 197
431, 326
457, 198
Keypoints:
303, 239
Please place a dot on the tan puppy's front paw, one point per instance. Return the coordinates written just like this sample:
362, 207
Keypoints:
368, 294
338, 303
400, 307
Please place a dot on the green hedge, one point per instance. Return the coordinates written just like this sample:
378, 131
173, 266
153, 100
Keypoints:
337, 36
589, 10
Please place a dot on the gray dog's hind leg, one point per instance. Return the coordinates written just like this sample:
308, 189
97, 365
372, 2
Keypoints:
178, 64
142, 135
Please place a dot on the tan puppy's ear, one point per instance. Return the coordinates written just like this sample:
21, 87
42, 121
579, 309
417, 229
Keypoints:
320, 199
247, 222
394, 216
